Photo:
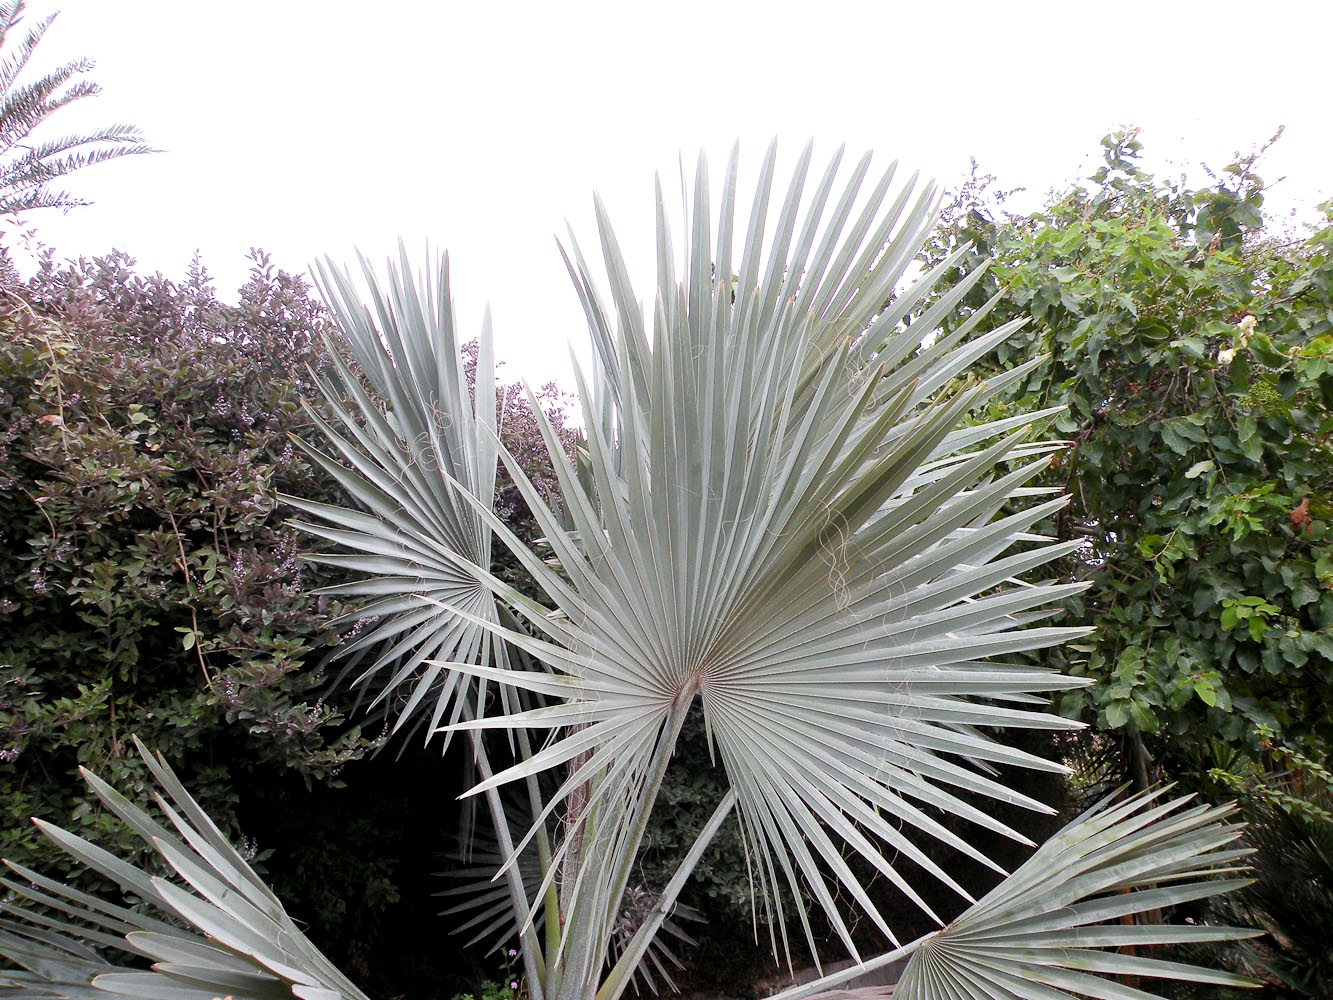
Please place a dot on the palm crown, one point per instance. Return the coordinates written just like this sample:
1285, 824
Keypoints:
778, 518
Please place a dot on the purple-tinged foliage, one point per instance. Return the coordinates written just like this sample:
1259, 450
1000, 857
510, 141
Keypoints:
151, 584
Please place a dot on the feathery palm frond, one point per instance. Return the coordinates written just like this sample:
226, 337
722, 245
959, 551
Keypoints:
27, 169
224, 932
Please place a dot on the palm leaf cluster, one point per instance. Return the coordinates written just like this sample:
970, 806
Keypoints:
217, 930
28, 165
781, 518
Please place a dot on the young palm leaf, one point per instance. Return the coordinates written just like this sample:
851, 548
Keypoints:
412, 432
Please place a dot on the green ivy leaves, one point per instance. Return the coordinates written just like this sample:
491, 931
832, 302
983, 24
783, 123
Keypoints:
1194, 350
1251, 614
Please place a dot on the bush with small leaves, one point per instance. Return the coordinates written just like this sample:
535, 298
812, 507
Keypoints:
151, 585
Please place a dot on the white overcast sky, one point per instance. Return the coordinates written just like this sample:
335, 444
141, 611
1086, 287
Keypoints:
310, 128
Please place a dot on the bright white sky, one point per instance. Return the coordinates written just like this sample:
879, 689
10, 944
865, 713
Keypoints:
310, 128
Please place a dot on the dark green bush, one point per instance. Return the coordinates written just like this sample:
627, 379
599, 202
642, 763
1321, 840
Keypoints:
150, 585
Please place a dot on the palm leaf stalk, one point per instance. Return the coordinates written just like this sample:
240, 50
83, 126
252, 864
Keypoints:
780, 519
484, 911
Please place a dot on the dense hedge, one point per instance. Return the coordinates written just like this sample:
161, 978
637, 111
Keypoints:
1192, 344
148, 582
152, 585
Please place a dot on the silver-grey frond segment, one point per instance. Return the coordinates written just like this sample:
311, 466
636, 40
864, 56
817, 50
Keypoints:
214, 930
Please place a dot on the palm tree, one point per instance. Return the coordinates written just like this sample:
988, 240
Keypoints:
29, 167
779, 519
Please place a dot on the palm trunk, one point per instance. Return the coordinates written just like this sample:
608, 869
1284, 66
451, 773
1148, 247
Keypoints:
581, 965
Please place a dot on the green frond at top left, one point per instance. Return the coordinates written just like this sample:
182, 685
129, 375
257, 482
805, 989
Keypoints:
30, 166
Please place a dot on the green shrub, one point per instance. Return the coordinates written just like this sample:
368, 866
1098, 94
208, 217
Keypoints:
1191, 344
150, 584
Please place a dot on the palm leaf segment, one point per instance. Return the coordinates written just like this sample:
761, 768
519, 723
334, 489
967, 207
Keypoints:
1044, 933
778, 515
408, 424
221, 931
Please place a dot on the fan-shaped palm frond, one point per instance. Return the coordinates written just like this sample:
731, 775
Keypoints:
637, 908
415, 424
1291, 899
221, 931
28, 168
781, 518
411, 432
779, 515
1064, 920
52, 966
